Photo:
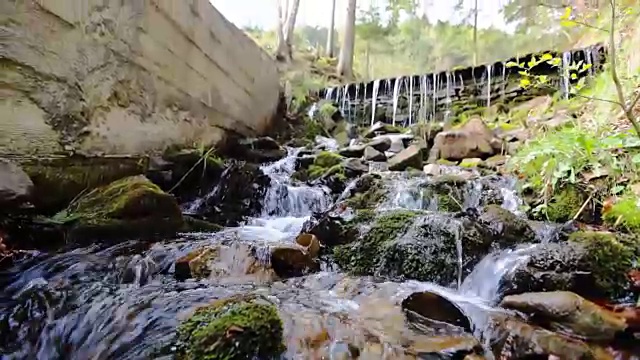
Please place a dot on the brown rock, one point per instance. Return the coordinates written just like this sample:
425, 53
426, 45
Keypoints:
473, 140
436, 307
310, 243
409, 157
568, 312
289, 261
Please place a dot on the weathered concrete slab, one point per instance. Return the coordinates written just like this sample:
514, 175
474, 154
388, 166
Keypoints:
127, 77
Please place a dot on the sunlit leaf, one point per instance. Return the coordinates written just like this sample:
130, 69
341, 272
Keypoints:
546, 57
524, 82
567, 13
617, 189
574, 76
511, 64
567, 23
523, 73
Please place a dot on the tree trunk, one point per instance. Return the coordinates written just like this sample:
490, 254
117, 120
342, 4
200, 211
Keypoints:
475, 34
345, 63
281, 50
286, 27
291, 25
332, 27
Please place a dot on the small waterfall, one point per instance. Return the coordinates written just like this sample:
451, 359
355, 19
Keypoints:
194, 206
285, 199
410, 99
484, 280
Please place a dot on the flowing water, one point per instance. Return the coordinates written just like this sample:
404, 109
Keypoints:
122, 302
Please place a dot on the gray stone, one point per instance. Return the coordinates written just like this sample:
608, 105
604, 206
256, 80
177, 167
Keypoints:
353, 151
380, 128
397, 145
355, 166
371, 154
409, 157
15, 184
432, 169
381, 143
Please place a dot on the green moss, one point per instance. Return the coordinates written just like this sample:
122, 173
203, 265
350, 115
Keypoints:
611, 257
624, 214
564, 205
241, 327
363, 256
471, 163
327, 159
368, 199
312, 128
130, 197
57, 181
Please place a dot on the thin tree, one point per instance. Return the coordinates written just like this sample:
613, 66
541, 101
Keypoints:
475, 34
345, 63
286, 27
332, 27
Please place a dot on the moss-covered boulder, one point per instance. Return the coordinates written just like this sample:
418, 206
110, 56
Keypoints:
240, 327
564, 204
507, 229
59, 180
415, 245
591, 264
186, 173
624, 214
128, 208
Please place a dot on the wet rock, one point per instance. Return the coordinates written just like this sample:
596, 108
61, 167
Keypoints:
591, 264
381, 143
567, 312
397, 145
192, 173
258, 150
413, 245
239, 194
380, 128
367, 192
495, 162
519, 340
507, 229
353, 151
410, 157
446, 347
310, 243
133, 207
473, 140
432, 169
288, 261
194, 264
15, 185
355, 167
371, 154
241, 327
435, 307
304, 161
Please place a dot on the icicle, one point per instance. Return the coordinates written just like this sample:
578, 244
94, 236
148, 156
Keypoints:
489, 68
374, 98
410, 99
396, 93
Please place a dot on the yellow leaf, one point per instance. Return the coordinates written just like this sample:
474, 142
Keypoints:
546, 57
567, 13
525, 82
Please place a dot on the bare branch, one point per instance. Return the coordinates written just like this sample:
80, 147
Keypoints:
598, 99
614, 72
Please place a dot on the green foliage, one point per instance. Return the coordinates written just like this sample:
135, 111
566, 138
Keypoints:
625, 213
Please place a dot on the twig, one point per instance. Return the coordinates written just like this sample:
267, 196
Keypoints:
598, 99
582, 207
614, 72
206, 155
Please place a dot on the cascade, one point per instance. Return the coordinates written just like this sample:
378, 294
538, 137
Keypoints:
396, 94
410, 99
489, 68
566, 62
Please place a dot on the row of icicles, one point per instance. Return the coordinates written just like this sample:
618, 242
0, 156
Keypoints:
424, 91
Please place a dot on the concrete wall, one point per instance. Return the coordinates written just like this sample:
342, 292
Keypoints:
127, 76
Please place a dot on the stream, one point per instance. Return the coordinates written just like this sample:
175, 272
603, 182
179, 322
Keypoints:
123, 302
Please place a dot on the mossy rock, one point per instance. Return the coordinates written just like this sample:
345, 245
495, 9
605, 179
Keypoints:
362, 257
126, 208
611, 256
368, 193
591, 264
565, 204
240, 327
414, 245
57, 181
507, 229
